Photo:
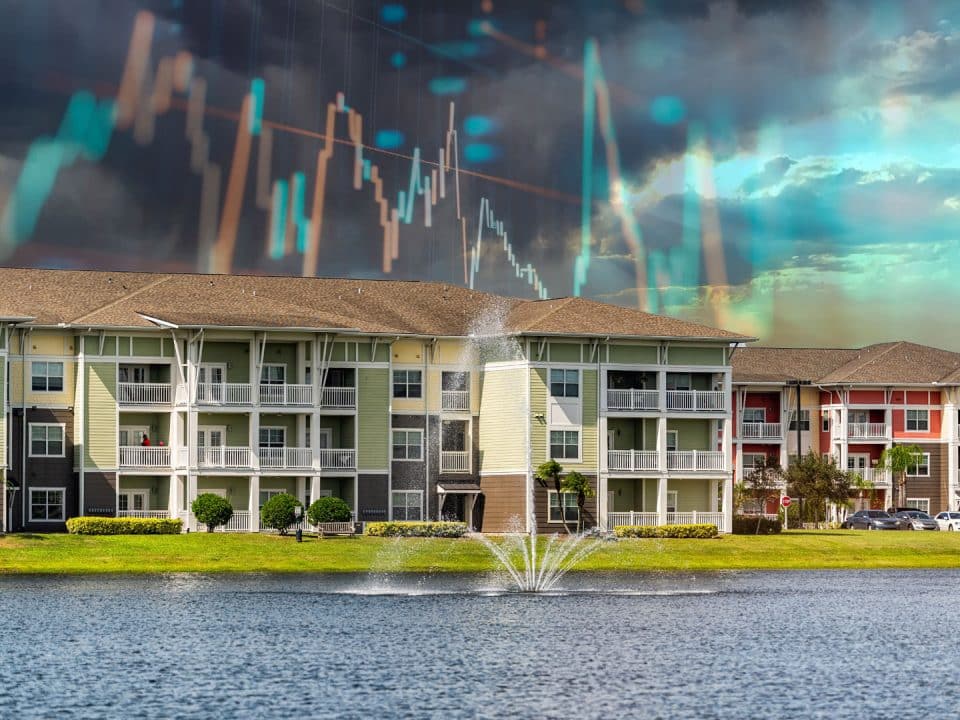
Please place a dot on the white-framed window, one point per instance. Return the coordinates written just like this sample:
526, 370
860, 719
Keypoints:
132, 374
133, 434
408, 444
673, 440
273, 374
273, 437
922, 468
407, 383
679, 381
565, 444
570, 510
564, 383
918, 420
754, 415
921, 504
407, 504
858, 416
47, 504
804, 420
825, 422
672, 501
46, 439
750, 461
46, 376
267, 493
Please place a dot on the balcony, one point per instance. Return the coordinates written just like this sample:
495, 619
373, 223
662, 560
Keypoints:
285, 458
455, 400
762, 431
696, 400
877, 478
632, 460
224, 394
867, 431
338, 397
286, 395
695, 460
143, 393
144, 456
633, 400
224, 457
338, 459
652, 519
454, 461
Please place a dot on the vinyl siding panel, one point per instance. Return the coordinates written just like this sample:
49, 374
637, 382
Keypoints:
588, 430
100, 448
502, 412
539, 429
633, 354
373, 417
680, 355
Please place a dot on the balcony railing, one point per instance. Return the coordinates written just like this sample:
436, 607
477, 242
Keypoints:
696, 400
632, 460
454, 461
762, 430
144, 456
867, 431
285, 457
282, 395
643, 519
630, 400
339, 397
695, 460
652, 519
239, 522
878, 478
154, 514
224, 457
455, 400
224, 393
143, 393
338, 459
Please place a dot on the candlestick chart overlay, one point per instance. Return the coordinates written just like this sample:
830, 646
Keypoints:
786, 170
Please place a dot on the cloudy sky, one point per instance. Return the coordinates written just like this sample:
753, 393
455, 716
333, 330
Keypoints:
786, 169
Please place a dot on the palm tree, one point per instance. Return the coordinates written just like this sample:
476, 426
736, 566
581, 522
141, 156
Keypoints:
900, 459
574, 482
550, 471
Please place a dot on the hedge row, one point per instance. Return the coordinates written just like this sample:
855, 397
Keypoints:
747, 525
416, 529
702, 531
123, 526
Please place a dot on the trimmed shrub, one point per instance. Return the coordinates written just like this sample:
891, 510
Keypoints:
747, 525
328, 510
212, 510
123, 526
416, 529
279, 512
700, 531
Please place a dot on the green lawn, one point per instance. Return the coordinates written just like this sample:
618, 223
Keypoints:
201, 552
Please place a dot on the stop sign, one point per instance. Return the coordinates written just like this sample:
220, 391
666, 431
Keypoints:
785, 501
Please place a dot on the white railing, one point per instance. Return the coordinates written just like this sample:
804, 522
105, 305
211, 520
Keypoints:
240, 522
879, 478
867, 431
456, 400
286, 394
456, 461
140, 456
285, 457
652, 519
696, 518
338, 459
224, 393
761, 430
645, 519
696, 400
153, 514
695, 460
633, 400
224, 457
338, 397
143, 393
632, 460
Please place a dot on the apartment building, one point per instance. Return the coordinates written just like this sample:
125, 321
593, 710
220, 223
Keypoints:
131, 393
853, 403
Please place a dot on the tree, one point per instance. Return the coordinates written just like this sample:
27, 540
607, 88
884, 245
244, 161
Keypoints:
818, 481
280, 512
762, 481
212, 510
328, 509
900, 459
550, 471
574, 482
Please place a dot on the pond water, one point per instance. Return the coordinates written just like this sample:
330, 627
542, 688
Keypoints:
727, 645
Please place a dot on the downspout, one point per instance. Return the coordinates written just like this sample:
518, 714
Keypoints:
531, 522
23, 425
426, 433
601, 442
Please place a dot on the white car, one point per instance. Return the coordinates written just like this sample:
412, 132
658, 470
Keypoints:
948, 520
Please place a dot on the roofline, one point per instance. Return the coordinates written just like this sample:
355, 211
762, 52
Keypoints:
711, 338
841, 384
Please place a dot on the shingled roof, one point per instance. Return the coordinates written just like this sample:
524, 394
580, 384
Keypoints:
81, 298
888, 363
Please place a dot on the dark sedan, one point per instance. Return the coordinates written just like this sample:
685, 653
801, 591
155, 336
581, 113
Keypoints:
872, 520
916, 520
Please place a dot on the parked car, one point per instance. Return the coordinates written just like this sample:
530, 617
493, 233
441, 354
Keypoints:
948, 520
916, 520
872, 520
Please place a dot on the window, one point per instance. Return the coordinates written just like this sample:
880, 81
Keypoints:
679, 381
918, 420
273, 437
407, 504
754, 415
921, 504
565, 383
804, 420
825, 422
922, 468
672, 440
565, 444
272, 374
267, 493
46, 504
407, 444
570, 509
672, 501
750, 461
46, 440
46, 376
407, 384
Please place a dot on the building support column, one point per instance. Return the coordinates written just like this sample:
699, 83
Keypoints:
727, 503
714, 495
191, 496
254, 503
662, 500
173, 495
314, 487
302, 491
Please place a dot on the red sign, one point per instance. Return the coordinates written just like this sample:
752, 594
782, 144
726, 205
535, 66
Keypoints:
785, 501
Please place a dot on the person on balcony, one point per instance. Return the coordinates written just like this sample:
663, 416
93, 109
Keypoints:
146, 441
